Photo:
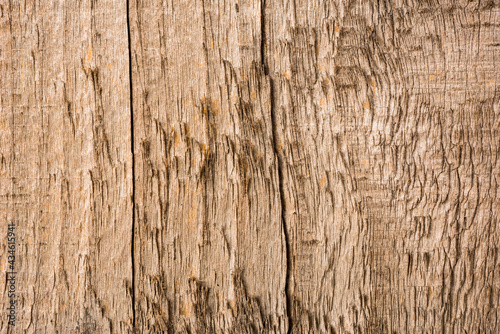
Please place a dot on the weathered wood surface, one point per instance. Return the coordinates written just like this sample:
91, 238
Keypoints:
389, 117
299, 166
209, 240
66, 165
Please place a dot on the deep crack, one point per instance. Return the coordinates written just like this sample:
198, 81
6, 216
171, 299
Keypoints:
265, 66
132, 248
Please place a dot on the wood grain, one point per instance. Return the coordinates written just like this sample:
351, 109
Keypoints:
65, 164
251, 166
209, 230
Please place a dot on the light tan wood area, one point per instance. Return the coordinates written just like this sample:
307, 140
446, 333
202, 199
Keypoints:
251, 166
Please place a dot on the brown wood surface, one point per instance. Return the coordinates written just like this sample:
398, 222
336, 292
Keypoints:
66, 165
251, 166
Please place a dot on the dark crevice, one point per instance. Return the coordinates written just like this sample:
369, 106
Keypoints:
132, 248
286, 237
263, 37
283, 211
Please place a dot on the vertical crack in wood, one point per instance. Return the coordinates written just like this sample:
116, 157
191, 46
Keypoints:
132, 248
280, 171
263, 36
283, 220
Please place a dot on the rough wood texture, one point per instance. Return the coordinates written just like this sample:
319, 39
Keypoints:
298, 166
65, 165
387, 118
209, 238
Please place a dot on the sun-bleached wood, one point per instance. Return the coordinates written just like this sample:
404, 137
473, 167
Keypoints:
65, 165
299, 166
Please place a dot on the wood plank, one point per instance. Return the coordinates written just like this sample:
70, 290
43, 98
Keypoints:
209, 235
65, 165
387, 112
